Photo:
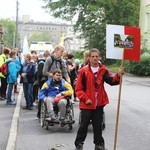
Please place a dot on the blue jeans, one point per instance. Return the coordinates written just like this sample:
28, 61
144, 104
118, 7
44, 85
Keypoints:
28, 93
9, 92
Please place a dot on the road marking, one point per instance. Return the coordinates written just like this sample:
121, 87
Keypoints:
11, 144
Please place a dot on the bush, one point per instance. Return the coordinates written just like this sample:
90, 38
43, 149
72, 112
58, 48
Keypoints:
141, 68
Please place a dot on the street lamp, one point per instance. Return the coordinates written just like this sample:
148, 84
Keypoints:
67, 43
1, 38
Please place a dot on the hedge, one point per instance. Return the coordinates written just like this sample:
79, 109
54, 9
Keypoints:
141, 68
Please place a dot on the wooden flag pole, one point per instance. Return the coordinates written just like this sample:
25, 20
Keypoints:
118, 107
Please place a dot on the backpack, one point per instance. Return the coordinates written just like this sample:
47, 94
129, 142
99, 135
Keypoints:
53, 59
45, 78
4, 68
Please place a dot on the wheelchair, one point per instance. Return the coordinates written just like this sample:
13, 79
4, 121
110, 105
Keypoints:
69, 117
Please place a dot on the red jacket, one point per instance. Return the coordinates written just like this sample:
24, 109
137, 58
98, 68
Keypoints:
103, 75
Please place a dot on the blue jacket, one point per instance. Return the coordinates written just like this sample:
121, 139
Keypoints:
12, 76
52, 88
30, 71
18, 63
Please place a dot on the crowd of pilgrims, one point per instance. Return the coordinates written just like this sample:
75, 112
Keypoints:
39, 69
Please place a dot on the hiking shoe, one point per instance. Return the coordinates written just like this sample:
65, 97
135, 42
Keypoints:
38, 116
51, 119
24, 107
30, 108
3, 98
79, 147
27, 108
99, 147
62, 123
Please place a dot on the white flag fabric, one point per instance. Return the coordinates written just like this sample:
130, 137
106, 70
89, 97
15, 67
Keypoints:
122, 42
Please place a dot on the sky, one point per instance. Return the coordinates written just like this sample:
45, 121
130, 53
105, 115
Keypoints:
26, 7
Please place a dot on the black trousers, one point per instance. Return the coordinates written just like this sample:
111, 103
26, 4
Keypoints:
3, 87
39, 104
97, 117
35, 92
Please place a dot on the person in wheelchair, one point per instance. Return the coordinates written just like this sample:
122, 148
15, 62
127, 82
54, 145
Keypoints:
55, 92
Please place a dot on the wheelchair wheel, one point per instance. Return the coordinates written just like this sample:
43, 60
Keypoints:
46, 125
70, 124
72, 113
43, 114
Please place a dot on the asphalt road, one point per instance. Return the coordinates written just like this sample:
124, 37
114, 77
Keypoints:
6, 113
134, 123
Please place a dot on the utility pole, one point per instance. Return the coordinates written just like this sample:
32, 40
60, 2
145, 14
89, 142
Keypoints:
1, 38
16, 33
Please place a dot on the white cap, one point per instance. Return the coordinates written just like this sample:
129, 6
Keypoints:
77, 61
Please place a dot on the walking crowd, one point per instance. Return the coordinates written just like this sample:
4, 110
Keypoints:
52, 78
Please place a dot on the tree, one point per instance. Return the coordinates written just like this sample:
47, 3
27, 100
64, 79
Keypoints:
9, 32
93, 15
45, 36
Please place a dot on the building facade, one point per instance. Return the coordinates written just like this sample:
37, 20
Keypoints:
56, 30
145, 24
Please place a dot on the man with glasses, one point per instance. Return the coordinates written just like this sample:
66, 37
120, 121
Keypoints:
93, 97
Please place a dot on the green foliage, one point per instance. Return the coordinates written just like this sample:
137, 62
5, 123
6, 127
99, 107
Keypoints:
141, 68
145, 50
9, 32
79, 54
93, 15
113, 68
109, 61
45, 36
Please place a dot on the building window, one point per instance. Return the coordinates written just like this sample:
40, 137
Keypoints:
146, 22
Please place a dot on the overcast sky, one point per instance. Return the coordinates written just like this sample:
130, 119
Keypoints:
26, 7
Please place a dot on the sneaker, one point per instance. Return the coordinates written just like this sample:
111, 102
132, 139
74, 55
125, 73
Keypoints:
38, 115
52, 119
99, 147
30, 108
62, 123
3, 98
52, 116
79, 147
27, 108
11, 103
24, 107
34, 104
